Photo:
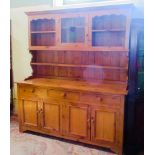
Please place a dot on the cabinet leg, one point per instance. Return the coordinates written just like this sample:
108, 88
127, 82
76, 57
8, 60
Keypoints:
118, 151
21, 129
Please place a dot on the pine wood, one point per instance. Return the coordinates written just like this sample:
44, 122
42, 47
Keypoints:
77, 121
91, 86
79, 79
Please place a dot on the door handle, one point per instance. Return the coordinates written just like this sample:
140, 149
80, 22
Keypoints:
88, 122
41, 110
65, 95
92, 120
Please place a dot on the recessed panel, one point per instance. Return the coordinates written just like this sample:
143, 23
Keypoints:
105, 126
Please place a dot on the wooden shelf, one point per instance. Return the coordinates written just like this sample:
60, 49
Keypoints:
82, 66
73, 26
78, 48
109, 30
32, 32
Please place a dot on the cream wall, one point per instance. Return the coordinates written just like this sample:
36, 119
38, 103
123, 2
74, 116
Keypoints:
20, 54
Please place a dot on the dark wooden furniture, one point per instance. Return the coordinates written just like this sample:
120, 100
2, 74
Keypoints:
79, 79
134, 120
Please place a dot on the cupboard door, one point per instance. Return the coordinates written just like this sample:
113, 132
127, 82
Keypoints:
42, 31
29, 112
109, 30
51, 117
73, 30
103, 125
78, 121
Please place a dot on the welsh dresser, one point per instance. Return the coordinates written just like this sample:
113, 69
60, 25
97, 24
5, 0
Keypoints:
80, 73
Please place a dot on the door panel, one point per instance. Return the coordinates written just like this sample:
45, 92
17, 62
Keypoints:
78, 124
78, 127
30, 112
103, 125
104, 128
51, 117
73, 30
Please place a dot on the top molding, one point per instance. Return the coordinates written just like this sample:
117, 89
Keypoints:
83, 9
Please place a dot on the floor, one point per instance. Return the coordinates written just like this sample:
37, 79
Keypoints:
33, 144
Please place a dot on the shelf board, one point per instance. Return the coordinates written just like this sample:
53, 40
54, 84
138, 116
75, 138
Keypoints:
109, 30
78, 48
73, 26
32, 32
82, 66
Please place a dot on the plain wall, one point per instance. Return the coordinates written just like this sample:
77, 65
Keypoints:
21, 56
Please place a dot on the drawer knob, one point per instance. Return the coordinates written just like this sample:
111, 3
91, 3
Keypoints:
33, 90
92, 120
65, 95
101, 99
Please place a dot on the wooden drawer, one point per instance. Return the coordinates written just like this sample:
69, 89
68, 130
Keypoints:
56, 94
72, 96
89, 98
99, 99
60, 94
41, 92
27, 91
110, 99
33, 92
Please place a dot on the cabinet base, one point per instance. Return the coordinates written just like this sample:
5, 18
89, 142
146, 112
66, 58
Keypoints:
113, 148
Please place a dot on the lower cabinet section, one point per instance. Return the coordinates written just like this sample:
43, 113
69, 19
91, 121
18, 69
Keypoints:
98, 124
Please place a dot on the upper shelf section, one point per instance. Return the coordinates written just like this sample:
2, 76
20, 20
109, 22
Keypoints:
98, 30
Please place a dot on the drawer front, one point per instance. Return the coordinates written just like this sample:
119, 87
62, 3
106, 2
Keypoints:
32, 92
89, 98
65, 95
110, 99
55, 94
72, 96
27, 91
100, 99
41, 92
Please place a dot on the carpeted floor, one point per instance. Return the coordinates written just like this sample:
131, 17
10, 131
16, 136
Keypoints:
32, 144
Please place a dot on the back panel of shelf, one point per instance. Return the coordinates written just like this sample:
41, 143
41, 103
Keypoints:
42, 25
43, 39
86, 65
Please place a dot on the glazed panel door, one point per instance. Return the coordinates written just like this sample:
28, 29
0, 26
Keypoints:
109, 30
77, 121
73, 30
42, 31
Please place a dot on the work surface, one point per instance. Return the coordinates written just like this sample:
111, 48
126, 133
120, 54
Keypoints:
90, 86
